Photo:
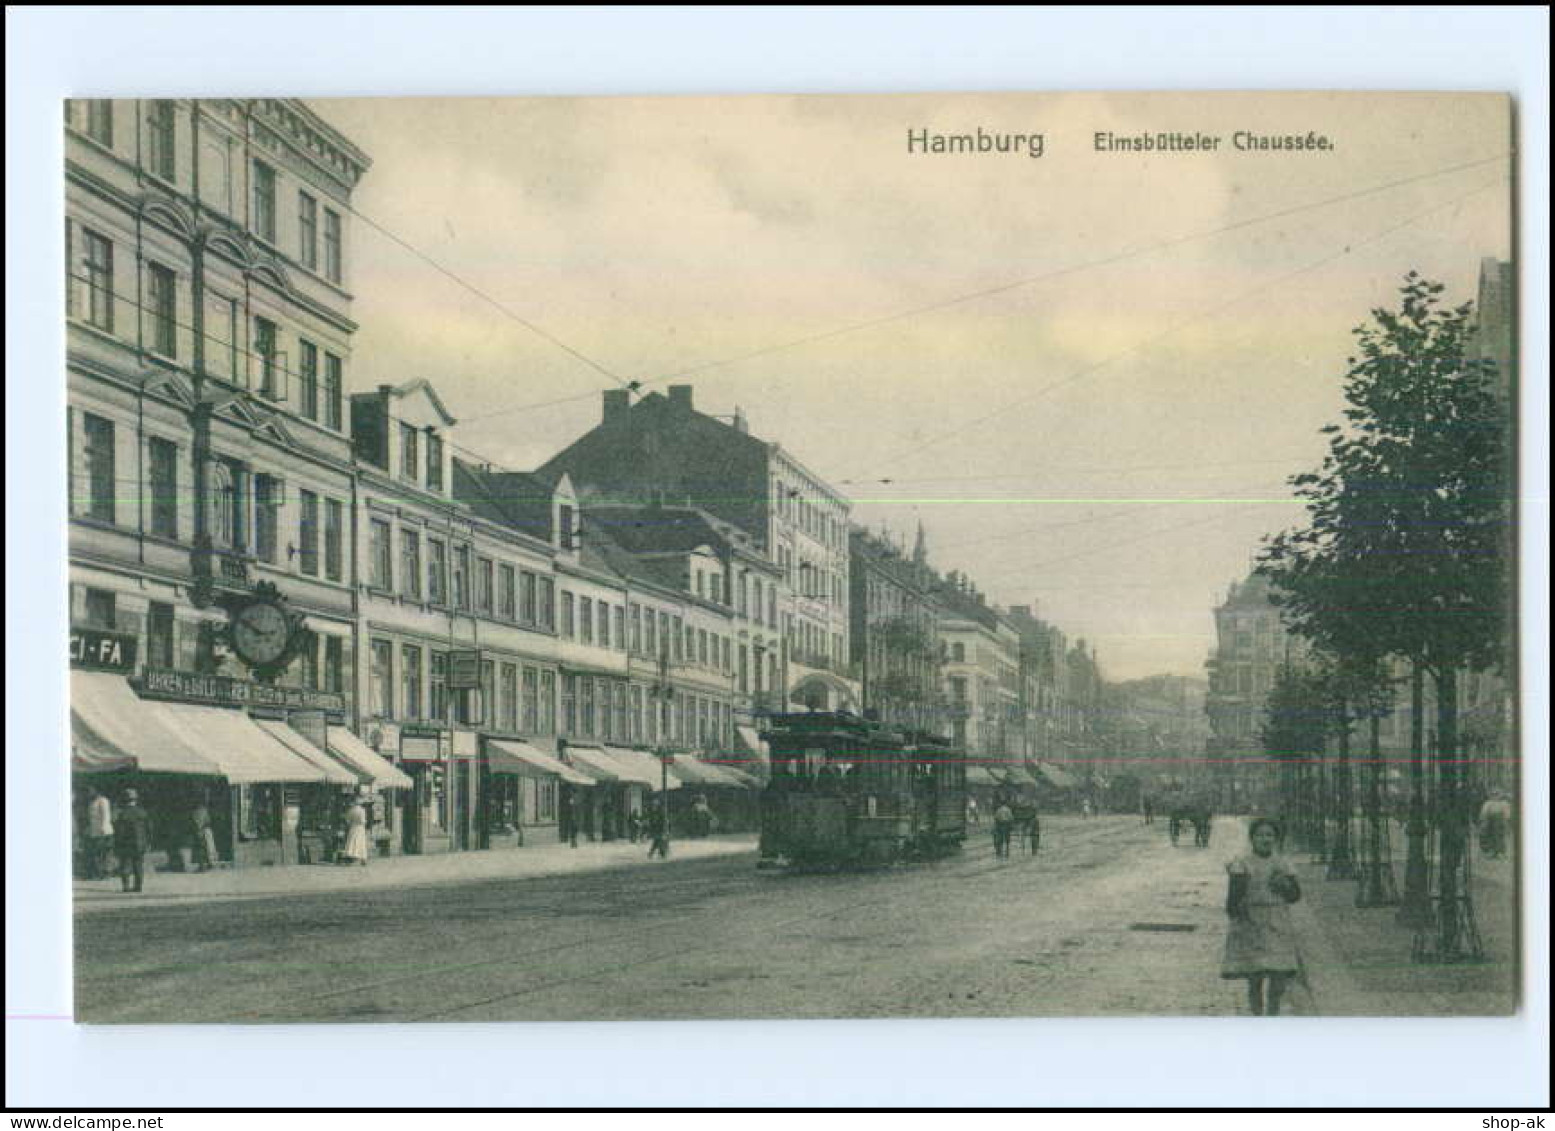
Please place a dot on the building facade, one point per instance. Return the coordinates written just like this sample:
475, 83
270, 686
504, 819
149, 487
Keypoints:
207, 349
896, 647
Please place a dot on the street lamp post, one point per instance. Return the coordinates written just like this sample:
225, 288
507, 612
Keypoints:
665, 694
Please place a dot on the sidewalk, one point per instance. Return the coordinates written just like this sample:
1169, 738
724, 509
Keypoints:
175, 888
1359, 961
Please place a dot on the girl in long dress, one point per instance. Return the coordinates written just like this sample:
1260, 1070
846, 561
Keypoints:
355, 850
1261, 941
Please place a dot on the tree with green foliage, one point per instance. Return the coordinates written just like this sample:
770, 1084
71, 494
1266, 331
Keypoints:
1405, 549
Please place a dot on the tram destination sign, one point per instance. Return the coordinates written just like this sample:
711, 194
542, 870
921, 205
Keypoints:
464, 669
165, 683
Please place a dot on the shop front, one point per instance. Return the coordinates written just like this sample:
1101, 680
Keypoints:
382, 784
521, 789
185, 741
437, 812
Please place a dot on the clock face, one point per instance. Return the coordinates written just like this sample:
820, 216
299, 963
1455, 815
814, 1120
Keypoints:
260, 632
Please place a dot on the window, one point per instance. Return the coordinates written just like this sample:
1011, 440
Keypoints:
382, 679
308, 376
547, 702
676, 637
264, 202
586, 620
509, 699
620, 622
379, 558
221, 334
505, 599
334, 664
162, 304
650, 635
526, 593
332, 248
462, 577
308, 230
164, 488
437, 572
567, 621
488, 715
564, 527
547, 603
531, 700
434, 461
308, 534
162, 146
410, 681
587, 696
636, 644
100, 609
334, 540
99, 120
308, 661
159, 635
410, 564
271, 379
569, 703
409, 463
606, 702
604, 625
702, 646
483, 575
100, 482
99, 279
333, 390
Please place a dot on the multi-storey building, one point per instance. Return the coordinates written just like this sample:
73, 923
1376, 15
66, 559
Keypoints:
208, 344
662, 451
982, 675
1251, 644
895, 632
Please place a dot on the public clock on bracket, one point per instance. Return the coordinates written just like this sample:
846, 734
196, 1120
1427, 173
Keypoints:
261, 632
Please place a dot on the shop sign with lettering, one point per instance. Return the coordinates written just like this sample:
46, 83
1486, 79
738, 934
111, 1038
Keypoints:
163, 683
104, 651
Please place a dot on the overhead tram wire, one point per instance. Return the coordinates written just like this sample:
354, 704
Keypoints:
1105, 261
986, 293
942, 304
1204, 315
538, 331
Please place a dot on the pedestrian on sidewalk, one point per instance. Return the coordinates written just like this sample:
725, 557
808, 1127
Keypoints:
1149, 807
202, 837
1261, 940
659, 833
355, 850
131, 841
1003, 823
99, 834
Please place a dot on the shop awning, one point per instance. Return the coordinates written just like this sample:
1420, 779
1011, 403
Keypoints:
691, 771
747, 778
594, 762
112, 728
1015, 775
752, 741
372, 767
1057, 778
237, 745
643, 769
727, 776
333, 771
980, 775
509, 756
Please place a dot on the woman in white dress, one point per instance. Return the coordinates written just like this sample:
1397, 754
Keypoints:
355, 850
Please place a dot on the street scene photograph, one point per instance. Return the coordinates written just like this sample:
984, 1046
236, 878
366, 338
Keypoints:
793, 557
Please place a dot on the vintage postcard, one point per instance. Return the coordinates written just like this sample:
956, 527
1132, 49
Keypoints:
792, 557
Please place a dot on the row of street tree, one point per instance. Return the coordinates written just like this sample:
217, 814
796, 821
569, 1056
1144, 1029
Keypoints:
1402, 569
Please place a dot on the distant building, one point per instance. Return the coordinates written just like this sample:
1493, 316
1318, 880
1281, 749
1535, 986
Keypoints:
982, 675
1251, 644
662, 451
896, 646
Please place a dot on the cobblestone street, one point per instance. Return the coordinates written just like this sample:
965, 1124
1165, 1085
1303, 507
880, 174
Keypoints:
1109, 919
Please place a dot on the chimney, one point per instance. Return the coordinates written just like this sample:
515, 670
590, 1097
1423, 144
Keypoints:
617, 401
680, 397
739, 417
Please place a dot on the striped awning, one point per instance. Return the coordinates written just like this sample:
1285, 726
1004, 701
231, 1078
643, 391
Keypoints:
334, 772
511, 756
374, 768
112, 728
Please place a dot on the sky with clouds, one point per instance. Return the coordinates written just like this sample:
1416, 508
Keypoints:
1087, 374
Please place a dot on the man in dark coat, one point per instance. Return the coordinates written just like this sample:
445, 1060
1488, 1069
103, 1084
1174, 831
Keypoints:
131, 841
